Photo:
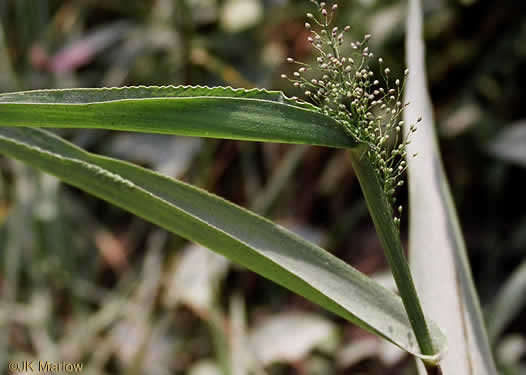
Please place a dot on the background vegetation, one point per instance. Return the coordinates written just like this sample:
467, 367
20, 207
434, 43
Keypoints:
84, 281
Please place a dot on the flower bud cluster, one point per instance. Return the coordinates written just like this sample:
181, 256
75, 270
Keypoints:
345, 88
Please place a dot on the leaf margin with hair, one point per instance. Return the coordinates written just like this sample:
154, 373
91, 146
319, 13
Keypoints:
217, 112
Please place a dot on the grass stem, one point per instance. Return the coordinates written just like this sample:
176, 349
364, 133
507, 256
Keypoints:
388, 233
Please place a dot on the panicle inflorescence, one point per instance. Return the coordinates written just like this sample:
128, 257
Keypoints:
345, 88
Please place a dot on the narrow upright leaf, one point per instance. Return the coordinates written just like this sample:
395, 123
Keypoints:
437, 249
508, 303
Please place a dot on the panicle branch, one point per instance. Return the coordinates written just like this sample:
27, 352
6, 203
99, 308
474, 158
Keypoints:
345, 88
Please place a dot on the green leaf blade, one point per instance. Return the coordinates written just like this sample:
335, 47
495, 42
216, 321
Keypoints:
254, 115
240, 235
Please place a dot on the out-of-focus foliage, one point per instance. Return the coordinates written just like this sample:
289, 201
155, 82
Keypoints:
83, 281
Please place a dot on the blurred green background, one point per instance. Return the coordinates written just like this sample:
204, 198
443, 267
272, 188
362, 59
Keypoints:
83, 281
